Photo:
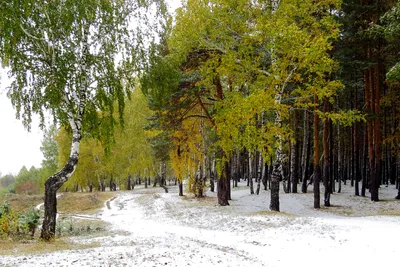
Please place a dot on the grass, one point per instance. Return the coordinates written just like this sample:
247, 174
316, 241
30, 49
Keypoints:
21, 203
82, 203
272, 213
74, 203
39, 247
73, 226
68, 225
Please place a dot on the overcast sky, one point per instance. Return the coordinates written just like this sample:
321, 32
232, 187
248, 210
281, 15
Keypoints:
18, 147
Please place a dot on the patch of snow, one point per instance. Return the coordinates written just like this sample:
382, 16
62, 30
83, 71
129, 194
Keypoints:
152, 228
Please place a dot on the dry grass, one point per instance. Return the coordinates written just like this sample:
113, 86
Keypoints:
75, 203
82, 203
68, 204
272, 213
39, 247
20, 202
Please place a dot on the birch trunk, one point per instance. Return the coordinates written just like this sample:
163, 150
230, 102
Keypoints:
251, 175
260, 172
53, 183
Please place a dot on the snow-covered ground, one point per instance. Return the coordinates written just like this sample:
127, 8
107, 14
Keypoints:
152, 228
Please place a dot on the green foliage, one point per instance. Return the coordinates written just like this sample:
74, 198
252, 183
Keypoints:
394, 73
391, 31
42, 45
15, 225
8, 221
49, 149
130, 153
30, 221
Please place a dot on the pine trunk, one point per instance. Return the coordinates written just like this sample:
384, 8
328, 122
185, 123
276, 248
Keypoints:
294, 172
326, 177
317, 170
371, 148
398, 178
339, 160
306, 150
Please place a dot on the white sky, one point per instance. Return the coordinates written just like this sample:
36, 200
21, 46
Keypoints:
18, 147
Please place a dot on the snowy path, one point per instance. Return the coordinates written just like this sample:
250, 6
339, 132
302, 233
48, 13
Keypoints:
151, 228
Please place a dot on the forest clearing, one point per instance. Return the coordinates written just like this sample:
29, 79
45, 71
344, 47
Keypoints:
148, 227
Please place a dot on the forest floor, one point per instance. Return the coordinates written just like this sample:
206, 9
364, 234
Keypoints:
147, 227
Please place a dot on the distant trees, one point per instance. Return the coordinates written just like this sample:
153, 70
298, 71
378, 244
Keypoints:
27, 181
62, 55
7, 180
129, 157
253, 72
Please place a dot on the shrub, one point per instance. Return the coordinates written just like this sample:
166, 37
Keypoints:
8, 221
27, 187
14, 225
30, 221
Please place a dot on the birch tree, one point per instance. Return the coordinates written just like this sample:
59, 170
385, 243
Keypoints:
62, 55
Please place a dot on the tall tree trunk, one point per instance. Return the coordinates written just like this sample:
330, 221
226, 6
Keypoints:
377, 127
223, 189
275, 177
212, 175
294, 172
332, 161
326, 177
306, 151
365, 162
129, 185
340, 161
317, 169
180, 188
371, 148
265, 176
251, 174
260, 172
53, 183
398, 177
356, 161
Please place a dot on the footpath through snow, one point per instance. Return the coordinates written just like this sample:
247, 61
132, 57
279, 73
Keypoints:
152, 228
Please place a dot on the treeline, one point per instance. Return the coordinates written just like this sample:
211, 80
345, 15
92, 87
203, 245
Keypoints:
292, 91
273, 91
280, 93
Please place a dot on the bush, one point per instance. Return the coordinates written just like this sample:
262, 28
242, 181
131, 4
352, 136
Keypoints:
8, 221
14, 225
27, 187
30, 221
